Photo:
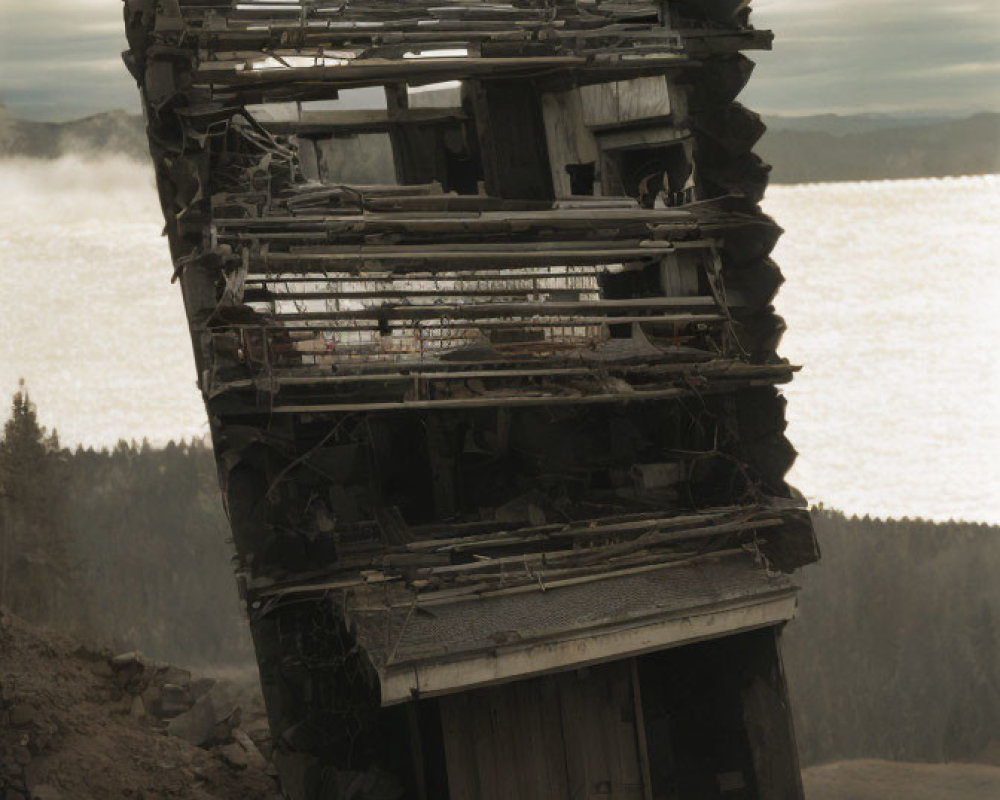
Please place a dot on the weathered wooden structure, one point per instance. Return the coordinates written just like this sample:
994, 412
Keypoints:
480, 300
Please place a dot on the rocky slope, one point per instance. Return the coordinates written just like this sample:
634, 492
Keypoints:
79, 725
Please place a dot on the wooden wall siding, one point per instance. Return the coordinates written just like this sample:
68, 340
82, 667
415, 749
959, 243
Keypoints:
768, 720
569, 140
363, 159
679, 274
512, 139
570, 736
625, 101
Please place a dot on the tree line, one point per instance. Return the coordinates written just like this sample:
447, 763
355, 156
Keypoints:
894, 655
895, 652
127, 547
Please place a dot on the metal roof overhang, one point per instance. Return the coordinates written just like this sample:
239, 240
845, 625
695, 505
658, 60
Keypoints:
441, 649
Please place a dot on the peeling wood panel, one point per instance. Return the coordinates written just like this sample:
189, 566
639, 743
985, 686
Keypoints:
569, 141
606, 104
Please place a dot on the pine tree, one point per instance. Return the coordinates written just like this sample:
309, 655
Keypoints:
34, 562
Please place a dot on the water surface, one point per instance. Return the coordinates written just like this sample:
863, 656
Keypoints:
892, 302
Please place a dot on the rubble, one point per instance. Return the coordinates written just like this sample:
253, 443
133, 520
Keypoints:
82, 725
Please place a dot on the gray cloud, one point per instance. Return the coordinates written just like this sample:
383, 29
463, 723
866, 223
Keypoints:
851, 56
60, 58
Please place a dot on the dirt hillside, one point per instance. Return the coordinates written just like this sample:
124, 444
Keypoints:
883, 780
78, 725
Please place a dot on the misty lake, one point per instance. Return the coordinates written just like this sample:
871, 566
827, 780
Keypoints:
892, 301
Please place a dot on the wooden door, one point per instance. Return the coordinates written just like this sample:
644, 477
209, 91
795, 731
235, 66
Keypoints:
569, 736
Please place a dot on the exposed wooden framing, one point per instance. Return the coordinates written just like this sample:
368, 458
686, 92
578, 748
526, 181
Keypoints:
418, 259
293, 378
580, 313
466, 423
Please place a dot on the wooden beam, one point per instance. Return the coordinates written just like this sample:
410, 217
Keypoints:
318, 123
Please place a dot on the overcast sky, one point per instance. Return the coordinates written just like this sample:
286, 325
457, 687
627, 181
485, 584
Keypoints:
59, 59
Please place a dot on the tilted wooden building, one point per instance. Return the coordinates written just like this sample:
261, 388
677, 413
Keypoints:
480, 300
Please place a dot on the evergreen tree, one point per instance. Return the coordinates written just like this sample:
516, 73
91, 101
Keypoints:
34, 565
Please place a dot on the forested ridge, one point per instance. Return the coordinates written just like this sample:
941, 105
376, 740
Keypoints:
895, 651
894, 655
801, 149
127, 546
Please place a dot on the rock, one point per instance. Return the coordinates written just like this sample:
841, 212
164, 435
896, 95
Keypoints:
14, 794
126, 660
209, 719
233, 755
174, 676
128, 669
195, 725
254, 756
174, 699
260, 734
45, 792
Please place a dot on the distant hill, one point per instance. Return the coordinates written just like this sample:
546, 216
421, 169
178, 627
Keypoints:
841, 124
802, 149
832, 148
110, 132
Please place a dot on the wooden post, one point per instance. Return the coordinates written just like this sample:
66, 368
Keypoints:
417, 749
397, 100
640, 732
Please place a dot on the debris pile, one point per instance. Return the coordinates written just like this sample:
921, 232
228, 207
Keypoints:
78, 724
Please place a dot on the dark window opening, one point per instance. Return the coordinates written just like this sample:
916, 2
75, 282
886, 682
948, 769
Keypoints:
582, 177
656, 172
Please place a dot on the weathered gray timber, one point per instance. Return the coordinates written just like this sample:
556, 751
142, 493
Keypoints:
480, 299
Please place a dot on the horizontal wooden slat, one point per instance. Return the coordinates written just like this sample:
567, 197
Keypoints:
540, 314
593, 217
421, 259
383, 70
363, 121
539, 276
289, 377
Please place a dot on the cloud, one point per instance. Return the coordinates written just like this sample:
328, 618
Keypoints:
59, 58
891, 55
